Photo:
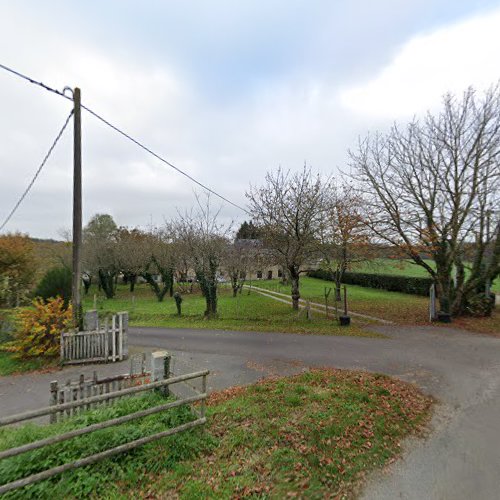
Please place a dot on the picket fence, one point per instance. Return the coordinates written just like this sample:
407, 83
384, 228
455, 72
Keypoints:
84, 388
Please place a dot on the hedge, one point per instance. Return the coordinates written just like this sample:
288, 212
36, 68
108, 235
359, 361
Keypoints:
392, 283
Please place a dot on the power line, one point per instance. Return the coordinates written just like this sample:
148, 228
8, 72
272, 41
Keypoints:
35, 82
157, 156
37, 173
124, 134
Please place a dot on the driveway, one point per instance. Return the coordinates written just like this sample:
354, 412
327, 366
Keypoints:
461, 458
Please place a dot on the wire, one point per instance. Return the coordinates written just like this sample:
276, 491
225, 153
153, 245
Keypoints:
37, 173
36, 82
116, 129
157, 156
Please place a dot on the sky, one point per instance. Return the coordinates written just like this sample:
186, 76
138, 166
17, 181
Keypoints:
225, 90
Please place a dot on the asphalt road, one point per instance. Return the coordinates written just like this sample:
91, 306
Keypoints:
461, 457
459, 460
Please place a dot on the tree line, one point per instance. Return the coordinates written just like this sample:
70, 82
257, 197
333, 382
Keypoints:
428, 190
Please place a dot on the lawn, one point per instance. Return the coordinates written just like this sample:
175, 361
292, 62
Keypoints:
315, 434
402, 267
401, 308
246, 312
393, 306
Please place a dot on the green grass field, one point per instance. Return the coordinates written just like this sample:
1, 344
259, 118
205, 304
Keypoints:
392, 306
246, 312
398, 307
312, 435
401, 268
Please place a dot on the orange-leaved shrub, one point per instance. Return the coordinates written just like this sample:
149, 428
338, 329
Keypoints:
39, 328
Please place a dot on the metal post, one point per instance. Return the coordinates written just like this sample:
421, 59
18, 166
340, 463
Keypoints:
77, 209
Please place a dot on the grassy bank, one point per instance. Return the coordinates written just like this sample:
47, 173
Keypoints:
246, 312
317, 433
10, 365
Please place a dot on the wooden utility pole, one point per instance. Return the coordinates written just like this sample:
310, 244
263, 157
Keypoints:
77, 208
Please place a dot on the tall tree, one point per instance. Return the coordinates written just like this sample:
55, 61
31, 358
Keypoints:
159, 262
344, 237
241, 257
17, 268
101, 251
247, 231
132, 254
205, 239
432, 189
288, 209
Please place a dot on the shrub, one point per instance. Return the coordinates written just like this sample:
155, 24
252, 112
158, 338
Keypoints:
392, 283
55, 283
39, 328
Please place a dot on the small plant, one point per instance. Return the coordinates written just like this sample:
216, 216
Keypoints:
39, 328
56, 282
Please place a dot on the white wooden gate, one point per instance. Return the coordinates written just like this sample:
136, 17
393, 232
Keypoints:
107, 343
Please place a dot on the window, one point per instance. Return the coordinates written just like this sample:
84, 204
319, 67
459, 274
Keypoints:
259, 275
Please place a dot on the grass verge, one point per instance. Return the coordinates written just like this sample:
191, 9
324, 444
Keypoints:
312, 435
10, 365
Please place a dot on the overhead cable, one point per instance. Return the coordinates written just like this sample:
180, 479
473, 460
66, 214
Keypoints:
37, 173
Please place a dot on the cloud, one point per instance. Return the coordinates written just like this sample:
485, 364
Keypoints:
427, 66
226, 92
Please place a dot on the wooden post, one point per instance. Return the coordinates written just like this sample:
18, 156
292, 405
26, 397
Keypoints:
432, 303
77, 209
113, 336
62, 348
53, 399
203, 391
81, 395
120, 337
68, 392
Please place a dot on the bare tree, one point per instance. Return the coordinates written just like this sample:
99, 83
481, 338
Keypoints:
288, 210
205, 240
160, 260
432, 189
344, 237
240, 260
100, 252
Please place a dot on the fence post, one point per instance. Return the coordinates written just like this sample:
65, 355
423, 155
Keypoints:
123, 318
432, 303
91, 321
53, 398
203, 391
120, 337
62, 347
160, 368
113, 336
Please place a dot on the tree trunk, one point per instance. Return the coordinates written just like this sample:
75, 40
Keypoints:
294, 277
106, 281
133, 281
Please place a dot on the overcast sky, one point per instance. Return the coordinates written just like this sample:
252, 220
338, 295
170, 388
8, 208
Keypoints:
226, 90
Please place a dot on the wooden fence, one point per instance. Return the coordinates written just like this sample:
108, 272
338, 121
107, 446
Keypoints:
99, 399
86, 388
107, 343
